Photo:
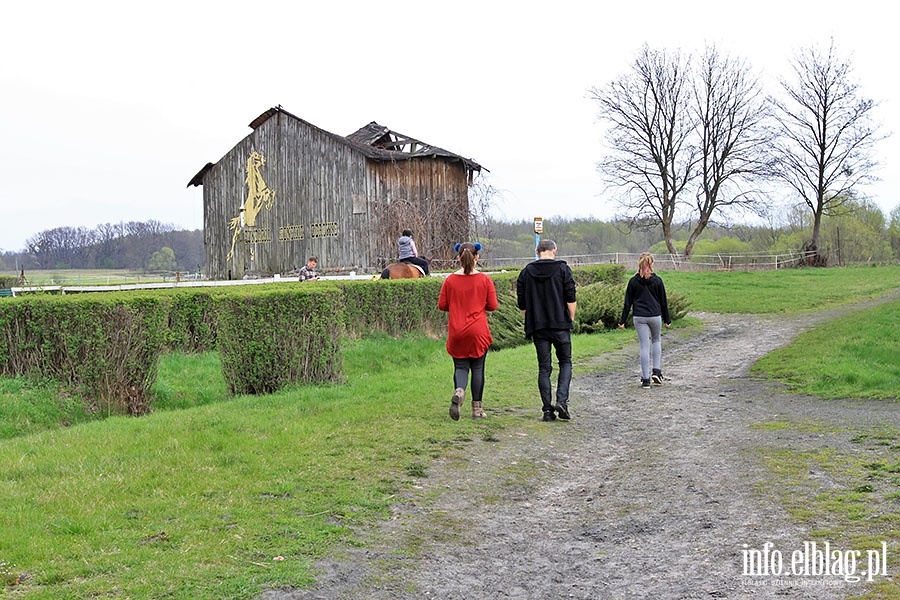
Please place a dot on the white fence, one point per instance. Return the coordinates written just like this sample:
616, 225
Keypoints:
754, 261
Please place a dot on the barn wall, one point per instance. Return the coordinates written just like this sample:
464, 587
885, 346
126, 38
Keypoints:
318, 207
428, 196
329, 200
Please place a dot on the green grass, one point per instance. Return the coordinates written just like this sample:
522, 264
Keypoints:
198, 499
40, 277
852, 357
856, 507
28, 407
785, 291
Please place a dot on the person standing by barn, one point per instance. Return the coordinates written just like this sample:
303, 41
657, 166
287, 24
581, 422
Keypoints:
647, 294
308, 271
467, 295
409, 253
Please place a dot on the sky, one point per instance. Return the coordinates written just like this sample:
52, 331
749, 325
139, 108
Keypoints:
108, 109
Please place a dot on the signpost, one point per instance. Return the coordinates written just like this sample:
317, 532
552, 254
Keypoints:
538, 230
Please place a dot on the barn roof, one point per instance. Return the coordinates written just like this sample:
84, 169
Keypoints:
374, 141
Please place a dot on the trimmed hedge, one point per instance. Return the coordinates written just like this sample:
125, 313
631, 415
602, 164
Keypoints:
269, 339
192, 322
394, 306
270, 335
106, 347
599, 307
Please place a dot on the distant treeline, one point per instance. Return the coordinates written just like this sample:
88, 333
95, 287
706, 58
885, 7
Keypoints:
134, 246
862, 234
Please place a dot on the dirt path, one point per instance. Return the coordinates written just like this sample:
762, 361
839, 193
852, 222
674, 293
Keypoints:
644, 494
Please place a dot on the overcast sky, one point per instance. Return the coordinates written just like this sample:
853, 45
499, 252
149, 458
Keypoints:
107, 109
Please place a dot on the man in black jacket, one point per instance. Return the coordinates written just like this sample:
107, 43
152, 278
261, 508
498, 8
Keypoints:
545, 291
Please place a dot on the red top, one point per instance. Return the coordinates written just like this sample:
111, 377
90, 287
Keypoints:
468, 298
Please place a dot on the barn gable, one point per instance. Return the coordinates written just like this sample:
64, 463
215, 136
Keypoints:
290, 190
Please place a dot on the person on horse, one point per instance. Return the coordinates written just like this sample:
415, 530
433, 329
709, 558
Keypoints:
409, 253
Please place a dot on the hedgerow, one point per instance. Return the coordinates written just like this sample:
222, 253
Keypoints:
107, 345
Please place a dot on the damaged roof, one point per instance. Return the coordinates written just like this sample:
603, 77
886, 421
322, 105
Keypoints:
374, 141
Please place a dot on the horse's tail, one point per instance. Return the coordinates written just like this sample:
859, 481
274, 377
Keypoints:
386, 274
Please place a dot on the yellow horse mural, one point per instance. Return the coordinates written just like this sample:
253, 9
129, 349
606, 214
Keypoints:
259, 196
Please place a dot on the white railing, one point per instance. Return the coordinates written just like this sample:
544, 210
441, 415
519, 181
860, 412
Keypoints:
751, 261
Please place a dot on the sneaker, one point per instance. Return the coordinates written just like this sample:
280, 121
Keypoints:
458, 396
657, 378
563, 412
645, 383
549, 415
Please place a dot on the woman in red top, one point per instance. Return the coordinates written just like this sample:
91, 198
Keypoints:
467, 295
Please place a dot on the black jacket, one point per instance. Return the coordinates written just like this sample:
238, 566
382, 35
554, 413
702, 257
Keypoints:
543, 290
648, 296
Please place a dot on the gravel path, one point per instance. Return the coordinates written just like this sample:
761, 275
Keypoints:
644, 494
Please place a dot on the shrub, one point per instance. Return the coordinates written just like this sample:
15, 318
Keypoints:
599, 290
599, 306
192, 322
105, 346
394, 307
507, 323
268, 339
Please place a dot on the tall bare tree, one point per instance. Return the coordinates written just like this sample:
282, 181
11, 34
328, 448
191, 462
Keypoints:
827, 135
650, 132
731, 121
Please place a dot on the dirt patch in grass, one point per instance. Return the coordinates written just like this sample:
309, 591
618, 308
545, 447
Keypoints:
657, 493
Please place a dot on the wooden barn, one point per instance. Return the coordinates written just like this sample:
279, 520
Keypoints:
290, 190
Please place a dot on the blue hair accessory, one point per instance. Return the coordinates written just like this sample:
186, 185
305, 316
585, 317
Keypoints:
476, 244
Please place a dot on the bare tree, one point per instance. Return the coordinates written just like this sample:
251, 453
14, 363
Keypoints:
60, 247
481, 197
827, 135
650, 132
731, 114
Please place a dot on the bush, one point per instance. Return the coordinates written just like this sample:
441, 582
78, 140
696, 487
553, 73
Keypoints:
600, 292
192, 322
268, 339
107, 347
393, 306
507, 323
599, 307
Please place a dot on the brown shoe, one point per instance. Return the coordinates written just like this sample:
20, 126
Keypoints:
458, 396
477, 413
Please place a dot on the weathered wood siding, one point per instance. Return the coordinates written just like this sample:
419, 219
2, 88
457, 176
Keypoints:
330, 201
428, 196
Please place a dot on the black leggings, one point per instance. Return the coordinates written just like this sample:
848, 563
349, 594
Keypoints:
462, 366
418, 260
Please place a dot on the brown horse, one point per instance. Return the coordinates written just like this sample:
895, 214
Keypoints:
402, 270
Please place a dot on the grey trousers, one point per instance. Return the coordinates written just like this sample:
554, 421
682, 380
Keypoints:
649, 330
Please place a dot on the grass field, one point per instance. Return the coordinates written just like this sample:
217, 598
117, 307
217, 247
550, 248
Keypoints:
785, 291
89, 277
199, 499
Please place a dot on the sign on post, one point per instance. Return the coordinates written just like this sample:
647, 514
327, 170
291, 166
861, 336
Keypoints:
538, 230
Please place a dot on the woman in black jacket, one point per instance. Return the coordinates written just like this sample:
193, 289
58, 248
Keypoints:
646, 293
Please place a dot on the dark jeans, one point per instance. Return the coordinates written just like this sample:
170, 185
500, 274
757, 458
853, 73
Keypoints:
462, 367
418, 260
561, 340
